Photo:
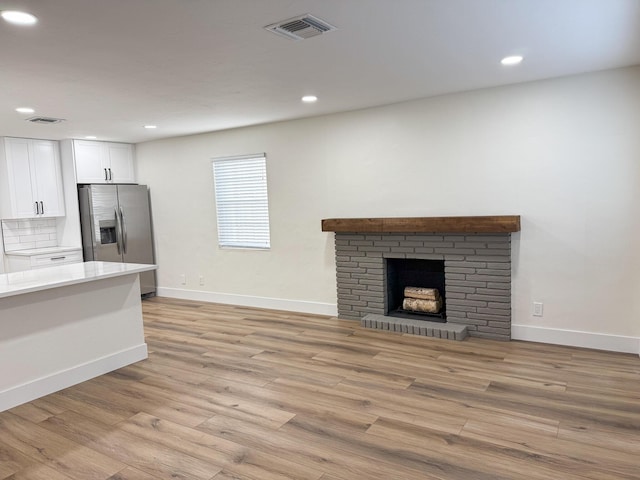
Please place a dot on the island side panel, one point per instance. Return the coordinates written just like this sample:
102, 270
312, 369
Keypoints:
55, 338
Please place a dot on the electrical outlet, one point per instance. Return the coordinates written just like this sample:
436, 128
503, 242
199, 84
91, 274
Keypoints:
183, 279
201, 280
537, 309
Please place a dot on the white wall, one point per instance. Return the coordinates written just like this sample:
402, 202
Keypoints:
564, 154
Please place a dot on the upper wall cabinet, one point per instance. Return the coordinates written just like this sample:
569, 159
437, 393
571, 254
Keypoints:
30, 179
103, 162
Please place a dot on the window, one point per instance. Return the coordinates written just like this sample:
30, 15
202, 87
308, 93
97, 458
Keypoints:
242, 205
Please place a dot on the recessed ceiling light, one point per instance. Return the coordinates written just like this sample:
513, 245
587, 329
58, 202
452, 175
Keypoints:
90, 137
25, 110
18, 18
309, 99
150, 127
511, 60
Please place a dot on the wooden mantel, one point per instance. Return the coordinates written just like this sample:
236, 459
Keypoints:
483, 224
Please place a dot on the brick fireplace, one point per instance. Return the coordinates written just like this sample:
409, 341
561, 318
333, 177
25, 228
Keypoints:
476, 252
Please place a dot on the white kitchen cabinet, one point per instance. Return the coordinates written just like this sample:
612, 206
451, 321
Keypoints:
32, 259
103, 162
30, 179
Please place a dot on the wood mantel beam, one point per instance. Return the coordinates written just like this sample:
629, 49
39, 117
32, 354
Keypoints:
482, 224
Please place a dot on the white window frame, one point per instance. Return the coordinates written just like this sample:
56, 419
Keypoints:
242, 201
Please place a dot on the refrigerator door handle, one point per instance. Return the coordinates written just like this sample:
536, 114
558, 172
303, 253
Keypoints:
42, 208
105, 174
37, 209
118, 231
123, 226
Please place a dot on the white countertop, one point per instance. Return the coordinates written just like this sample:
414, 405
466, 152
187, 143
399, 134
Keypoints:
42, 251
19, 283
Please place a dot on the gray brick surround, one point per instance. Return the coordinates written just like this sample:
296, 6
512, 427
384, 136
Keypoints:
477, 275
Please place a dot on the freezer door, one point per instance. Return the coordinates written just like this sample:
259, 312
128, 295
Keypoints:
137, 241
100, 223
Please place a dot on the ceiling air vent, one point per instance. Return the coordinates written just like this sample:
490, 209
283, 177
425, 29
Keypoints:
301, 28
45, 120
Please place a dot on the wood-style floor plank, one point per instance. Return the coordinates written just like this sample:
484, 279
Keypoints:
236, 393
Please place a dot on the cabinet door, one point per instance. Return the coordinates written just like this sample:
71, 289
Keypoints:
47, 178
120, 157
91, 162
20, 174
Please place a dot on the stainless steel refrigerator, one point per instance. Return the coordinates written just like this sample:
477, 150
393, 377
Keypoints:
116, 227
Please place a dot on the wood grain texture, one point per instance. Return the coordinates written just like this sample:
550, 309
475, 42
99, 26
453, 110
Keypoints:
477, 224
234, 393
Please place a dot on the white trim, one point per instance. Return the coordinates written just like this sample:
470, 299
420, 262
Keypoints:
316, 308
575, 338
66, 378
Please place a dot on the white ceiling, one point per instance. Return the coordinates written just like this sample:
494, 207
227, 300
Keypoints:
111, 66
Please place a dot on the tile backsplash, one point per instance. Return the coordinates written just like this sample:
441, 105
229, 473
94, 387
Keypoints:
29, 233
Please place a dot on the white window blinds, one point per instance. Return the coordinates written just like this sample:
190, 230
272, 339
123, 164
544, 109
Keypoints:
242, 204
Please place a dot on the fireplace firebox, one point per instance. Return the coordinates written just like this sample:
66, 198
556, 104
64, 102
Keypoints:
425, 274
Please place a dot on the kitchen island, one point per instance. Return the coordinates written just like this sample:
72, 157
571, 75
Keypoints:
62, 325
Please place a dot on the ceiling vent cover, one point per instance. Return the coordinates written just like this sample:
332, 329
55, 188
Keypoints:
301, 28
45, 120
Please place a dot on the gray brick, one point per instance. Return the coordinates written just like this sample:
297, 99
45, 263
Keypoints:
423, 250
464, 264
487, 317
345, 291
456, 251
453, 288
459, 270
370, 263
367, 276
454, 258
489, 258
349, 250
488, 278
494, 311
506, 325
488, 298
375, 271
361, 243
454, 237
395, 254
347, 281
347, 264
375, 288
456, 295
505, 238
499, 266
466, 244
500, 273
378, 282
343, 275
468, 321
494, 292
349, 236
500, 306
461, 308
354, 270
385, 243
403, 250
499, 286
451, 302
411, 243
464, 283
456, 276
375, 249
427, 238
494, 252
426, 256
394, 237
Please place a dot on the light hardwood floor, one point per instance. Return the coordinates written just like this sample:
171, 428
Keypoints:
237, 393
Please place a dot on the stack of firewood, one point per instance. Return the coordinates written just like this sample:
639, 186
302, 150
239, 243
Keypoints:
424, 300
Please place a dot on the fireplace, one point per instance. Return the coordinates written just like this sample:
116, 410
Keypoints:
403, 273
470, 255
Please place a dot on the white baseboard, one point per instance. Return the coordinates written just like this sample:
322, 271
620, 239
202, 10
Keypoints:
575, 338
66, 378
316, 308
